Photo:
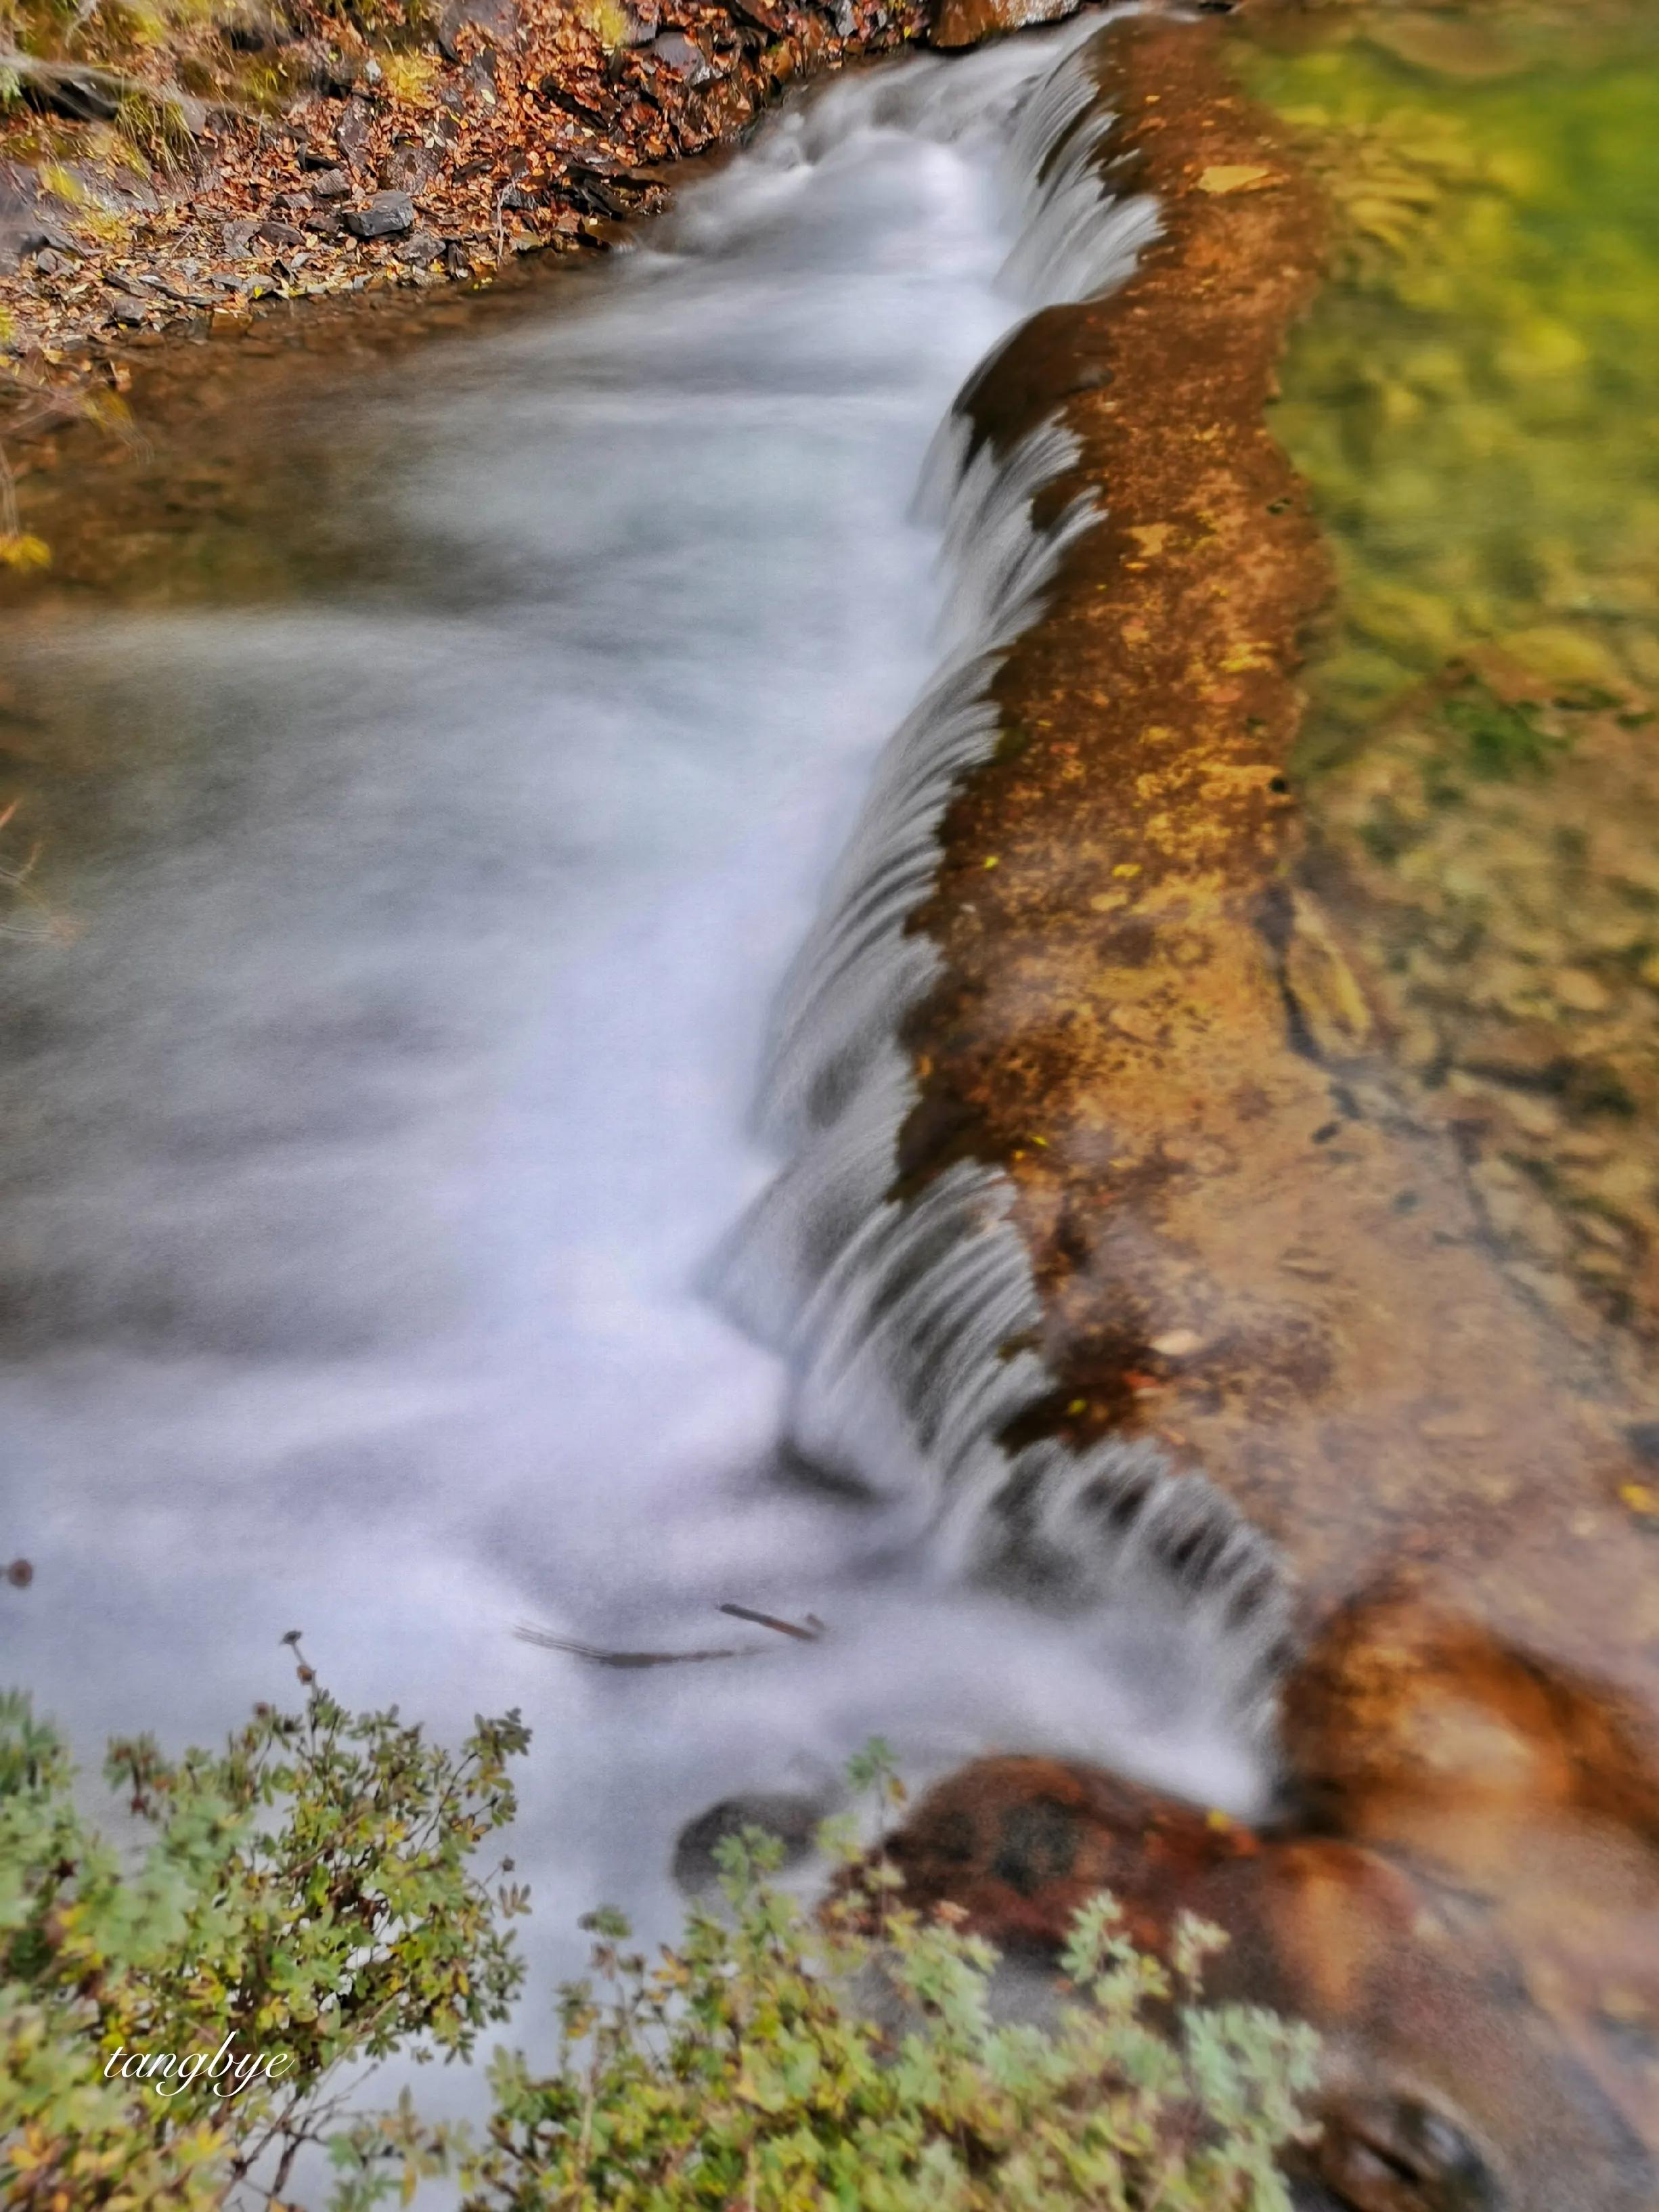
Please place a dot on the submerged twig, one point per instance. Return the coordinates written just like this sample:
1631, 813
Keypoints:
598, 1656
601, 1658
809, 1633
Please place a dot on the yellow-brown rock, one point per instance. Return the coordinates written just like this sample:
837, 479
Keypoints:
967, 22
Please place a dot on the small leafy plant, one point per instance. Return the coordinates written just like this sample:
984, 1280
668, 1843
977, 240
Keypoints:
309, 1891
849, 2059
306, 1891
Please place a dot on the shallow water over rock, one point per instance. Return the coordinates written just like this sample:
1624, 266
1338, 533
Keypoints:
1472, 402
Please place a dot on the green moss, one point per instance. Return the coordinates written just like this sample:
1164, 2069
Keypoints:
1499, 740
1474, 398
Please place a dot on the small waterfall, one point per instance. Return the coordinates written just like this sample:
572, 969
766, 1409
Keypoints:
902, 1318
369, 1135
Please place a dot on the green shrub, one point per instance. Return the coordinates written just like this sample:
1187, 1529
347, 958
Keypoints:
308, 1891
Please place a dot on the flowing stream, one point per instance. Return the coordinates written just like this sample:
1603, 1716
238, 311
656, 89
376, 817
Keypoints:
373, 1135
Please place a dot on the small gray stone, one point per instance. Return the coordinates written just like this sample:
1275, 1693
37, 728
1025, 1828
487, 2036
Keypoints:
496, 19
280, 234
388, 215
332, 185
123, 308
351, 132
682, 55
410, 167
46, 238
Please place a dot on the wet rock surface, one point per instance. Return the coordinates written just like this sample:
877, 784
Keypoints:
1511, 923
1260, 1240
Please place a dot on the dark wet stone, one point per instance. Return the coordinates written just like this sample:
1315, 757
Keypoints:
410, 168
496, 19
352, 131
682, 55
44, 238
280, 234
1036, 1844
388, 215
590, 187
584, 103
420, 248
1644, 1440
793, 1821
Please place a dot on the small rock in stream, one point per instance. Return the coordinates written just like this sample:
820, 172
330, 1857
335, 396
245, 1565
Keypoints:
388, 215
420, 248
682, 55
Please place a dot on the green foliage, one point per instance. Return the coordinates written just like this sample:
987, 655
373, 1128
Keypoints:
155, 125
850, 2060
306, 1891
1472, 397
1501, 740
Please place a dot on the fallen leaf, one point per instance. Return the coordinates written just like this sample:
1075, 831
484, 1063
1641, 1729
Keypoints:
1236, 177
1151, 536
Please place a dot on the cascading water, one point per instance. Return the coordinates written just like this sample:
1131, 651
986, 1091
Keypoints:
373, 1150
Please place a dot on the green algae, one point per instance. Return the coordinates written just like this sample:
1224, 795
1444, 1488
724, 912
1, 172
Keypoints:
1474, 400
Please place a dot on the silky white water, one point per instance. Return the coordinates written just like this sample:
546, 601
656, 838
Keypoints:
366, 1152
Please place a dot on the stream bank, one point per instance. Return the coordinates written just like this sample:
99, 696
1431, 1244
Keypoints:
167, 172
